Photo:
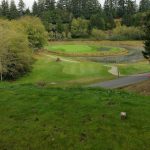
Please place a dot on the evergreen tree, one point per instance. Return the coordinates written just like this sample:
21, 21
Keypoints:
50, 4
0, 11
59, 26
21, 7
27, 12
109, 20
130, 10
90, 7
35, 11
144, 5
41, 7
5, 8
76, 8
97, 21
112, 6
121, 8
64, 5
146, 53
13, 12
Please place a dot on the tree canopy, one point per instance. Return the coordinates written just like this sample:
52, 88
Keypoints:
146, 53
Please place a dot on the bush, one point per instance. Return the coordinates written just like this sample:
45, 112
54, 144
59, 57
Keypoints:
58, 36
79, 28
15, 55
35, 31
97, 21
98, 34
127, 33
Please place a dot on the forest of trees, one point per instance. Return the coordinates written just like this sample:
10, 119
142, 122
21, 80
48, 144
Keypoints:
64, 19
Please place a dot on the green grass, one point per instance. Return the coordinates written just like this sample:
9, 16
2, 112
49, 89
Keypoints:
47, 69
75, 48
134, 68
72, 48
38, 118
43, 119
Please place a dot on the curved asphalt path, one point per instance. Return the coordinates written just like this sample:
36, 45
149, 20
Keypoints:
123, 81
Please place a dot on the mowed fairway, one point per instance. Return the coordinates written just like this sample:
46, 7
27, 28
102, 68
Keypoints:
43, 119
47, 69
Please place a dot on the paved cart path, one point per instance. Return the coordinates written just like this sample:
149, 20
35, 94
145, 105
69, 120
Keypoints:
122, 82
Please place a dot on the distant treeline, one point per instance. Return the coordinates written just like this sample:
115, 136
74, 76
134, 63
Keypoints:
65, 19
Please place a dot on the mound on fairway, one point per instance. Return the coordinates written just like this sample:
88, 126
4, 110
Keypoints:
84, 50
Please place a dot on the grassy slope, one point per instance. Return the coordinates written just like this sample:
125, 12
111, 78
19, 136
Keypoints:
36, 118
41, 119
142, 88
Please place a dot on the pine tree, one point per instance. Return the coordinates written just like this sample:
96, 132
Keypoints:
121, 8
5, 9
13, 12
50, 4
76, 8
97, 21
90, 7
109, 20
112, 6
0, 11
27, 12
21, 7
35, 11
146, 53
144, 5
41, 7
130, 10
64, 5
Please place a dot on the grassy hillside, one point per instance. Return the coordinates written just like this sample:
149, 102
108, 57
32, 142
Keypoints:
34, 116
37, 118
142, 88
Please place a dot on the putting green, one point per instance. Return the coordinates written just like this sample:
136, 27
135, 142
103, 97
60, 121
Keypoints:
84, 49
73, 48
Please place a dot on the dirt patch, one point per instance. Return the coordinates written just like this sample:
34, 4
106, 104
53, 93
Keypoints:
142, 88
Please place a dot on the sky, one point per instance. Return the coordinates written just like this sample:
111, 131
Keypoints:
30, 2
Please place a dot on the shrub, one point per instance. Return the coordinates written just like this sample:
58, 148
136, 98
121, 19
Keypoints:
79, 28
15, 55
97, 21
99, 34
35, 31
127, 33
